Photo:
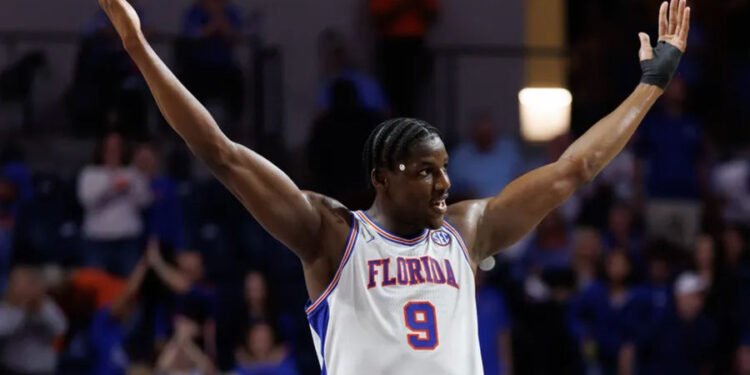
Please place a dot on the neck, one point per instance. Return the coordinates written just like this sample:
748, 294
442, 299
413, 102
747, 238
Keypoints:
387, 221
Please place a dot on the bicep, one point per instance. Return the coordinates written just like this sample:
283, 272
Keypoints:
514, 212
273, 199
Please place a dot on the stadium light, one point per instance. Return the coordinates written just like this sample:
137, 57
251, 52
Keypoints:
545, 113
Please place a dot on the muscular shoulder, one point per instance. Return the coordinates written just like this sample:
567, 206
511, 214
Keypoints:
465, 217
329, 208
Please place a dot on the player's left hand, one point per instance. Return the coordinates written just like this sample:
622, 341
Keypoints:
673, 30
659, 64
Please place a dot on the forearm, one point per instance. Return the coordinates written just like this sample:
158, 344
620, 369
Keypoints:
172, 277
180, 108
194, 353
600, 144
132, 287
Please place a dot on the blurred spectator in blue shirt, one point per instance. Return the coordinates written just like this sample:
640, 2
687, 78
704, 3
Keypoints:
338, 63
550, 247
194, 297
262, 354
211, 28
164, 218
587, 251
608, 318
482, 166
494, 329
670, 146
622, 233
658, 284
683, 340
113, 324
721, 295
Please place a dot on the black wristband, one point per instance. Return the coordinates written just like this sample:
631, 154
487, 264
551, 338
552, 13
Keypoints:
659, 70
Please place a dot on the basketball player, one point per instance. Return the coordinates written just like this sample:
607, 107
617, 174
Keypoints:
392, 288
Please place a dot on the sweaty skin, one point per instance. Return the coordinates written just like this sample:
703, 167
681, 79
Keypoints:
316, 227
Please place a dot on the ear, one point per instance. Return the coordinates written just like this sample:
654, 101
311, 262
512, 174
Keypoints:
378, 178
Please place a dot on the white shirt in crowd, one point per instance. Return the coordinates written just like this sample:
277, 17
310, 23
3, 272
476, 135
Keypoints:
27, 338
112, 213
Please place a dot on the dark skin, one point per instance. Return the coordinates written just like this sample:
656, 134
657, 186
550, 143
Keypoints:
316, 227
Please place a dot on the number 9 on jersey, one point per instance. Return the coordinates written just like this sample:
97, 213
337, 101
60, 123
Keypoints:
420, 319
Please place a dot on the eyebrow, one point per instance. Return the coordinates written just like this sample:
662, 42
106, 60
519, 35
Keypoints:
430, 163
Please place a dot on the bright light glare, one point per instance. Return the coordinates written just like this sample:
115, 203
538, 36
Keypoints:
545, 113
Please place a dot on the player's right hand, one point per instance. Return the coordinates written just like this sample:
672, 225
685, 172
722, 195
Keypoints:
124, 18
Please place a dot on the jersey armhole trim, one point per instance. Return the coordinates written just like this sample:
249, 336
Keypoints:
460, 239
353, 232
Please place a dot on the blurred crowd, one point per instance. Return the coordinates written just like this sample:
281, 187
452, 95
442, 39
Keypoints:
138, 265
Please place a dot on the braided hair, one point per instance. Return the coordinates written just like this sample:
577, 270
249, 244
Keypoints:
389, 142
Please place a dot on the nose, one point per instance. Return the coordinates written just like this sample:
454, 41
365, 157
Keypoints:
442, 182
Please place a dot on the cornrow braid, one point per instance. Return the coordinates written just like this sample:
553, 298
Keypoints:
389, 142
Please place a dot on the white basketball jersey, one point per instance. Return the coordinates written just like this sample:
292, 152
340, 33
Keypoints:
398, 306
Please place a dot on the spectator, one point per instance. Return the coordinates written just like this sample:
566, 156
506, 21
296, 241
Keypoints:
261, 354
110, 327
112, 197
402, 27
621, 233
550, 249
733, 243
211, 72
608, 318
16, 189
494, 329
182, 355
683, 340
483, 166
721, 297
30, 321
731, 183
659, 281
195, 299
587, 250
107, 87
164, 219
336, 164
257, 301
339, 65
543, 343
671, 152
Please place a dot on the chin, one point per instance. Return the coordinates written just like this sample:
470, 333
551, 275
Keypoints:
435, 222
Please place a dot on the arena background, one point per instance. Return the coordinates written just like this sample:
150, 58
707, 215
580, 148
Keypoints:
644, 271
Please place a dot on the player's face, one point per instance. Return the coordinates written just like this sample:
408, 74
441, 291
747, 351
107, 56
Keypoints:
419, 190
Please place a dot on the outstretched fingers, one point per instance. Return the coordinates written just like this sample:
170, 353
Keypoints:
684, 26
673, 9
663, 21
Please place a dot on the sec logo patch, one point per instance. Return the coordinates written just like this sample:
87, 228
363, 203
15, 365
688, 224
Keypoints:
441, 238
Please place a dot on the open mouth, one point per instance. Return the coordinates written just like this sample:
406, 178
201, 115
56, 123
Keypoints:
439, 204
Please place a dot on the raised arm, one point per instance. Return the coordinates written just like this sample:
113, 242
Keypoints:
496, 223
290, 215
